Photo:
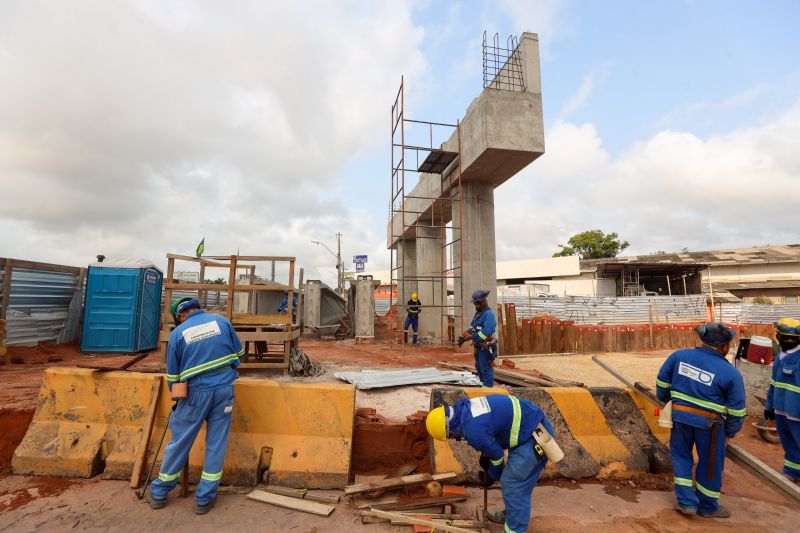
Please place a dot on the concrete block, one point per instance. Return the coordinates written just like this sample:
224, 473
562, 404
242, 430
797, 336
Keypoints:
602, 431
89, 422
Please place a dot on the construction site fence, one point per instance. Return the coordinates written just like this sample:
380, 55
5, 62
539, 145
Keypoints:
550, 335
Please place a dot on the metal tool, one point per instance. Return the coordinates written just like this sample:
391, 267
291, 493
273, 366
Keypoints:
140, 493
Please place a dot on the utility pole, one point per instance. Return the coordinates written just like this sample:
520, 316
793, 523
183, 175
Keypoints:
339, 265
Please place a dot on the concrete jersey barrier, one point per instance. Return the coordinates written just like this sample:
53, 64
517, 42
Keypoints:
88, 423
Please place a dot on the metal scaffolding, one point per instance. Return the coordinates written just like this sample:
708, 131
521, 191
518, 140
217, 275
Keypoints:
441, 212
502, 66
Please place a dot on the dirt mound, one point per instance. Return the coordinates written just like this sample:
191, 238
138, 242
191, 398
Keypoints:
13, 425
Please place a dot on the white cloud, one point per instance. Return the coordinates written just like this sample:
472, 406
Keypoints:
667, 192
135, 128
579, 98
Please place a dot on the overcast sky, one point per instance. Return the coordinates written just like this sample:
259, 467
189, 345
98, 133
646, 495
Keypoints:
134, 129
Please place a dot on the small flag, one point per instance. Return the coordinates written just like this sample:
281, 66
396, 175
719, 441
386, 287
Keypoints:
201, 247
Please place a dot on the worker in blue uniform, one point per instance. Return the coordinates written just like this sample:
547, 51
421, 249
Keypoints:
414, 307
708, 405
283, 306
482, 332
783, 398
203, 353
492, 424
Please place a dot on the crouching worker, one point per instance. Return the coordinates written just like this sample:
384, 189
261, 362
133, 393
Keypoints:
202, 356
492, 424
708, 405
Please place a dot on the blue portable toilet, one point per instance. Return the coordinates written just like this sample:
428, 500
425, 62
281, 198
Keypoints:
122, 306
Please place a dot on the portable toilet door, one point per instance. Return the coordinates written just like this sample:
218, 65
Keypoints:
149, 310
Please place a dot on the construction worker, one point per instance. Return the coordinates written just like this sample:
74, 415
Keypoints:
708, 405
414, 307
283, 306
783, 398
482, 330
203, 353
492, 424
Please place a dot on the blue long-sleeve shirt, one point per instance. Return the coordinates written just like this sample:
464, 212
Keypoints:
483, 328
703, 379
203, 350
496, 422
784, 389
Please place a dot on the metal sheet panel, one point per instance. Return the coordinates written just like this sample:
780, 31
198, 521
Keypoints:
373, 379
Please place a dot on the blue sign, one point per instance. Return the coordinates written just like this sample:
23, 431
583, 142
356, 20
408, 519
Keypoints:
359, 267
359, 259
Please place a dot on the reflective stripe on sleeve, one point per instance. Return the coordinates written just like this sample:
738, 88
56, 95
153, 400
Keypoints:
785, 386
737, 412
497, 462
513, 438
663, 384
481, 335
173, 378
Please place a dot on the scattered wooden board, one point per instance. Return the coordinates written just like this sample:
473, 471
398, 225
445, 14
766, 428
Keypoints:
396, 483
291, 503
418, 503
303, 494
439, 525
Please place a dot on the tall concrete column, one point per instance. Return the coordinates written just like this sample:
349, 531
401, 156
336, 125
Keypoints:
430, 285
477, 242
407, 269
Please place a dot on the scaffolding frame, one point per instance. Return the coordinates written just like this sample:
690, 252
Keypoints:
446, 217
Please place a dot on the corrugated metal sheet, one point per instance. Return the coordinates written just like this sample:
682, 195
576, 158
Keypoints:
40, 304
749, 313
612, 310
374, 379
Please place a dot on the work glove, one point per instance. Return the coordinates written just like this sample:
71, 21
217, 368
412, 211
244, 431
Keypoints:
484, 480
461, 340
769, 414
485, 463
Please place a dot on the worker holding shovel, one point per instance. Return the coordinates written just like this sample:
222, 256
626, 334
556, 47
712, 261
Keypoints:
708, 404
492, 424
202, 356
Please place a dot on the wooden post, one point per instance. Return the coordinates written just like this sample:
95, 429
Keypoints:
231, 287
650, 320
6, 288
301, 300
147, 430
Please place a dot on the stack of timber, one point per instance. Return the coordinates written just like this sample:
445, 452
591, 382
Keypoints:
520, 379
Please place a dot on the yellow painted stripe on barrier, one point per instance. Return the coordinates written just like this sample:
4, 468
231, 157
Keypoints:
444, 459
476, 392
587, 424
647, 410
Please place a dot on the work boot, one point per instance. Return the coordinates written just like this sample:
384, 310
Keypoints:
791, 478
157, 504
689, 511
497, 517
721, 512
203, 509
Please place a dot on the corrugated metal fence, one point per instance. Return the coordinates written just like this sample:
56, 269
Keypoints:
748, 313
43, 305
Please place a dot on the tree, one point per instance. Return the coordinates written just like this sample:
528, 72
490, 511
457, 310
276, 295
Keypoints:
593, 244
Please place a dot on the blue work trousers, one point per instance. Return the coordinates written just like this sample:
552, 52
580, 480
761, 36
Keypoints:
413, 321
789, 432
519, 477
214, 407
483, 366
705, 497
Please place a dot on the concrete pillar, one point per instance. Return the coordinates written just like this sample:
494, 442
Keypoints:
364, 307
430, 284
407, 268
312, 303
477, 242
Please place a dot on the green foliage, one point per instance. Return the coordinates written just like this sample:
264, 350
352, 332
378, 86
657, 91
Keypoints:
218, 281
763, 300
593, 244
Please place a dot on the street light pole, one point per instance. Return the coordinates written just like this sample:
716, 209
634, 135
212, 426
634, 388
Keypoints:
339, 264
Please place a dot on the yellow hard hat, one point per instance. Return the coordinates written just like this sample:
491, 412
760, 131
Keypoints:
788, 326
413, 295
436, 423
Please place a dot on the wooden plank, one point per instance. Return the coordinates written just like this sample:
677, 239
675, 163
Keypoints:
291, 503
267, 336
557, 337
536, 337
396, 483
147, 430
258, 320
303, 494
284, 259
512, 346
526, 335
547, 335
763, 471
440, 526
49, 267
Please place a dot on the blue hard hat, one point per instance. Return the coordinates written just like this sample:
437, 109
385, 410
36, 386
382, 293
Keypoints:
186, 305
479, 295
715, 333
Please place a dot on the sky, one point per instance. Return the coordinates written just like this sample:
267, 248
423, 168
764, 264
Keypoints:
137, 128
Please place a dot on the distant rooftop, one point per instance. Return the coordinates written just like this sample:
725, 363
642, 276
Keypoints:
786, 253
